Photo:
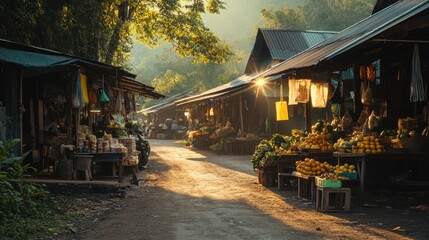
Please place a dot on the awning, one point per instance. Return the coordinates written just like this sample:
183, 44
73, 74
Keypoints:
352, 36
37, 59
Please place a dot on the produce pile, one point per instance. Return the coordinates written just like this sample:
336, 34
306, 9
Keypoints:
360, 144
320, 139
312, 167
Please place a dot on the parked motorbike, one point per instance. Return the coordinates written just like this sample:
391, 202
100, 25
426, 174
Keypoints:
142, 145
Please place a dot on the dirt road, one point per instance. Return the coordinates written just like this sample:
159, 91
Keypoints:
189, 194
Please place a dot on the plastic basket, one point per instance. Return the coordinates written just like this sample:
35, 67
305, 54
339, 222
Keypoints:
328, 183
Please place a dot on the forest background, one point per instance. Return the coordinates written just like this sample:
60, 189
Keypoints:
173, 45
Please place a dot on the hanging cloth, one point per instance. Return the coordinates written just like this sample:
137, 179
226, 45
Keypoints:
92, 96
416, 86
118, 102
127, 102
84, 87
77, 98
134, 105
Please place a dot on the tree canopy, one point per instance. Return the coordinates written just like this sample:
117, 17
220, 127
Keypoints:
332, 15
102, 29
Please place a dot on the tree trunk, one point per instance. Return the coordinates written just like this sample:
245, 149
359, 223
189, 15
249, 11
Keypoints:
125, 15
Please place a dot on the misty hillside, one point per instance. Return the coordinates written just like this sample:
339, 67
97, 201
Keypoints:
237, 25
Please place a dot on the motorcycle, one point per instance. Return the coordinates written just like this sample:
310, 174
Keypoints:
142, 145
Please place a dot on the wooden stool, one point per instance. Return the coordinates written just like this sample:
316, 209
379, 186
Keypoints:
342, 195
82, 163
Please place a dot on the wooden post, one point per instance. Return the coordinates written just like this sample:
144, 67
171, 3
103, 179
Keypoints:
21, 106
308, 116
241, 114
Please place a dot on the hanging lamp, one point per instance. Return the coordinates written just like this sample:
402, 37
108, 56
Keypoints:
103, 96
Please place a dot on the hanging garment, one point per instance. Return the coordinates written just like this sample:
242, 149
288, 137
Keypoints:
416, 86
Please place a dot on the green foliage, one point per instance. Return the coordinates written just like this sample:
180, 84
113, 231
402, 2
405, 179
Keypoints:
262, 151
102, 29
175, 74
286, 17
217, 147
332, 15
17, 197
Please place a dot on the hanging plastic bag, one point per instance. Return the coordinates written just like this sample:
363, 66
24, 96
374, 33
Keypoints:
366, 92
319, 95
293, 92
303, 91
373, 121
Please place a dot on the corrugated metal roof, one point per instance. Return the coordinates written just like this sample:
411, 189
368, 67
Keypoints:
352, 36
234, 86
167, 102
284, 44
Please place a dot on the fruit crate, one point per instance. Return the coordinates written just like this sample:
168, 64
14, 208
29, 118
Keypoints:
328, 183
350, 175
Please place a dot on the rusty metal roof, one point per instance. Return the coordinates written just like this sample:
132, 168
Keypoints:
363, 31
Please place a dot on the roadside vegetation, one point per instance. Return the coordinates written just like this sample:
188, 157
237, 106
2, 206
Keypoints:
29, 211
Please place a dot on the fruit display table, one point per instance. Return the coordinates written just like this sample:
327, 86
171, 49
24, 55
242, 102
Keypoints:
306, 185
358, 159
387, 169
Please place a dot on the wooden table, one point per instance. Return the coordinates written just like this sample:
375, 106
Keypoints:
109, 157
360, 160
306, 185
393, 164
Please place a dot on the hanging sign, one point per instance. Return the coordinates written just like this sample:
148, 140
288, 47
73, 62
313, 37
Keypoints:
281, 111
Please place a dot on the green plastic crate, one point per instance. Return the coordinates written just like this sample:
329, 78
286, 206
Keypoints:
328, 183
349, 175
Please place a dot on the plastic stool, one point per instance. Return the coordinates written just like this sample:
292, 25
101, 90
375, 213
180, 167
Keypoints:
322, 198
